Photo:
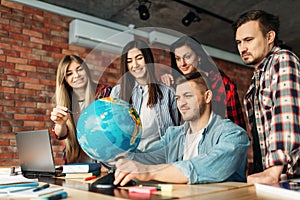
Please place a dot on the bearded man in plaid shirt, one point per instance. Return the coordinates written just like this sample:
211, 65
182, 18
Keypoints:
273, 98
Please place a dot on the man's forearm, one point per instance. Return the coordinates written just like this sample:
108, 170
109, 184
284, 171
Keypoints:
167, 173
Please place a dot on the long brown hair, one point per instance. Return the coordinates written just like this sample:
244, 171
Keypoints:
64, 96
128, 81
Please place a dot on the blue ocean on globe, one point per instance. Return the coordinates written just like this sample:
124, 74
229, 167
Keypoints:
107, 128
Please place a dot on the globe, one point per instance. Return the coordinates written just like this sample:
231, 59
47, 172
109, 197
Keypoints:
107, 128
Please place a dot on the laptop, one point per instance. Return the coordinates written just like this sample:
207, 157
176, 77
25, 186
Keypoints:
35, 154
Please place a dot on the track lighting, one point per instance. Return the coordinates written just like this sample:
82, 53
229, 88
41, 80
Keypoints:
189, 18
143, 9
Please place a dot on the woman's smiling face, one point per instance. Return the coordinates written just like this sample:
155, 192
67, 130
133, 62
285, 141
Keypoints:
136, 64
76, 76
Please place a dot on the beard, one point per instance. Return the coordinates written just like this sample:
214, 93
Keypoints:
197, 112
252, 60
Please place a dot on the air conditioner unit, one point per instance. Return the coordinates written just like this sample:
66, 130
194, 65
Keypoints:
161, 38
91, 35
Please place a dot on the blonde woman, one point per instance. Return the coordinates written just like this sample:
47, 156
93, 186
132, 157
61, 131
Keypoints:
75, 90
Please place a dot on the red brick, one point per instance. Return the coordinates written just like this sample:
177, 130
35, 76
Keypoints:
32, 45
77, 48
52, 16
23, 117
18, 15
14, 72
19, 36
25, 104
61, 45
38, 63
4, 142
40, 41
33, 11
11, 52
5, 46
3, 33
3, 8
17, 24
14, 110
5, 129
26, 67
34, 86
16, 60
34, 123
42, 30
47, 82
21, 49
11, 41
2, 57
36, 111
12, 30
29, 79
51, 48
56, 38
13, 97
8, 83
39, 52
43, 70
44, 105
38, 18
5, 115
25, 91
67, 52
32, 33
7, 65
6, 154
62, 34
7, 89
42, 118
33, 23
30, 56
48, 59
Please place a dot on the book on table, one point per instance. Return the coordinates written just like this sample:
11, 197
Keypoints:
82, 174
81, 167
287, 189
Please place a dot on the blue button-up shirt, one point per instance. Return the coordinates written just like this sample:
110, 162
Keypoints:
166, 112
222, 152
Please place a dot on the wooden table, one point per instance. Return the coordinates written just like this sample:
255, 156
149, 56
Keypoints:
226, 190
78, 189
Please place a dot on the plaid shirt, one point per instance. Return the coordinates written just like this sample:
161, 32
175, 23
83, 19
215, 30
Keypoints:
230, 105
277, 109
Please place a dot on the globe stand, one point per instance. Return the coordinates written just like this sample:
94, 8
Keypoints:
107, 181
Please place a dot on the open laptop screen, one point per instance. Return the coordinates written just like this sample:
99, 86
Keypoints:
35, 153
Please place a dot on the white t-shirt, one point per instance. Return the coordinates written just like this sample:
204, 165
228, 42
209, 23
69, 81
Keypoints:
150, 132
191, 144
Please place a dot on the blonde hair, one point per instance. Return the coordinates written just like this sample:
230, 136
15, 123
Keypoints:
64, 96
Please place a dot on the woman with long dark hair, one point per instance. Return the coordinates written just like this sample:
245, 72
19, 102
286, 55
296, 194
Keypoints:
155, 102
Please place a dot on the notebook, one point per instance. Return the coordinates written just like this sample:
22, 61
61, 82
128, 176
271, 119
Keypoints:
35, 154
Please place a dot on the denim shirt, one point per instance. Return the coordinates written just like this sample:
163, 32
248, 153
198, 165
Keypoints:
222, 152
166, 110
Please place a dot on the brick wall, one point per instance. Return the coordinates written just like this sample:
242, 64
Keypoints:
32, 42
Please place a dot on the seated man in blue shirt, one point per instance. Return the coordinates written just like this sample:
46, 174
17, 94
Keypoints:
205, 149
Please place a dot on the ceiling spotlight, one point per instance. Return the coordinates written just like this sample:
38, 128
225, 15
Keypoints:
143, 9
189, 18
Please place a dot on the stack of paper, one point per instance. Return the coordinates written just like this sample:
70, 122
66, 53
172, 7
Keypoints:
16, 181
19, 186
28, 192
